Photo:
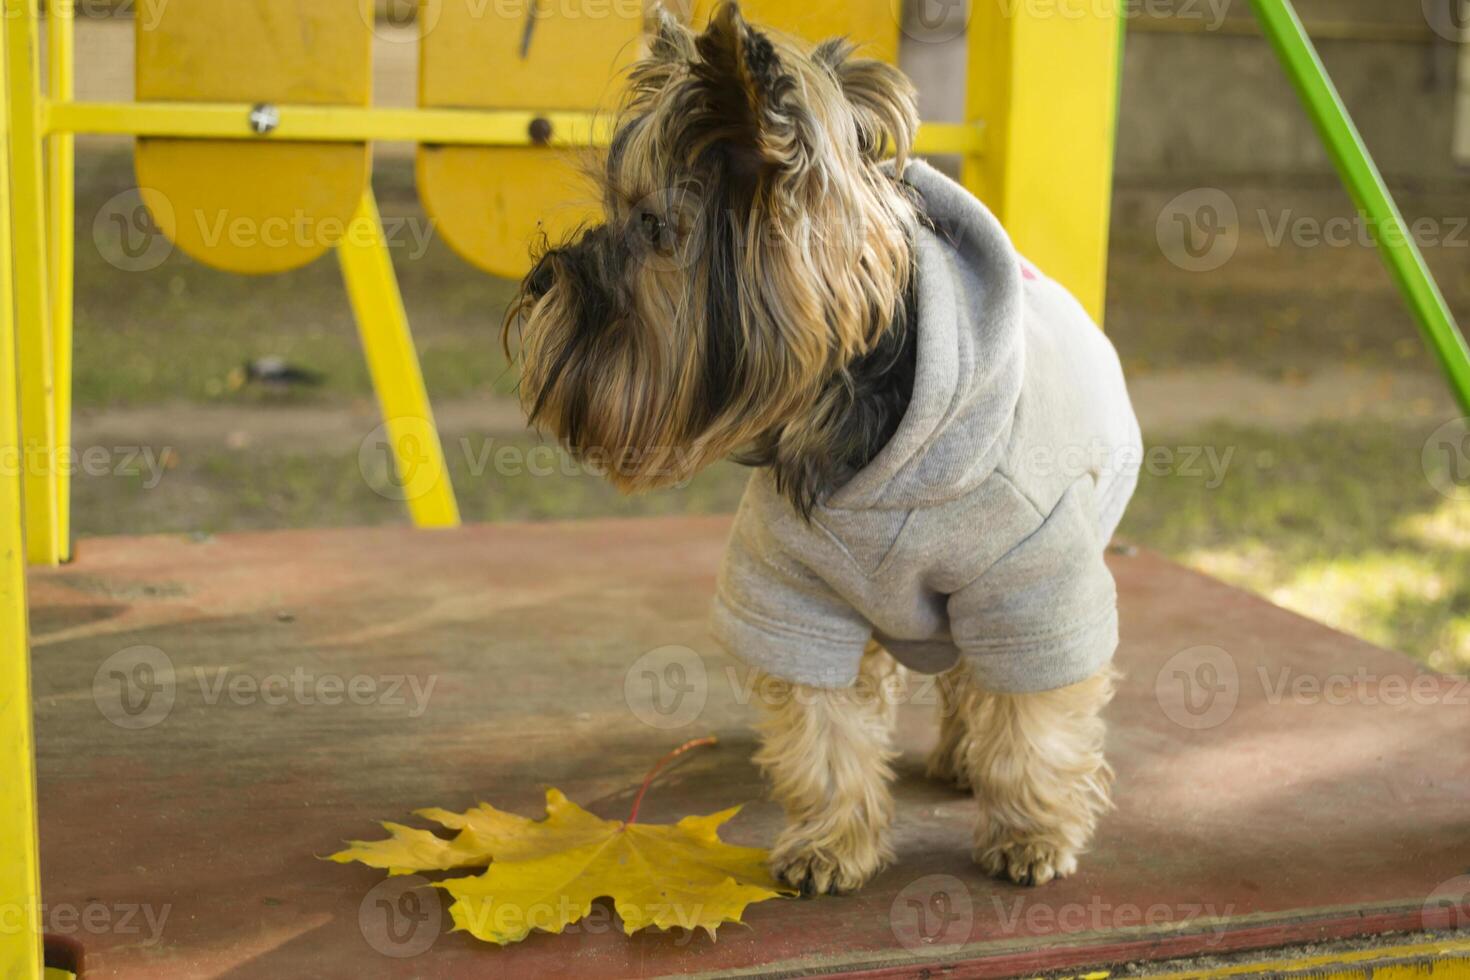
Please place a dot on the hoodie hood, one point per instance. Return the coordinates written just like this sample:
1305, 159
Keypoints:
970, 357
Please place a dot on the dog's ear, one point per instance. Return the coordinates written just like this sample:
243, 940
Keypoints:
753, 98
884, 102
669, 40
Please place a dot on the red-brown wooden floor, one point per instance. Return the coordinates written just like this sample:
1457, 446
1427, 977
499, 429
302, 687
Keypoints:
1277, 781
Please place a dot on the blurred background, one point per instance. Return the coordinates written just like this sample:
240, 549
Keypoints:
1294, 417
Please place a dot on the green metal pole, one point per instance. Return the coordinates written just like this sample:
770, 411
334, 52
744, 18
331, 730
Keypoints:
1397, 247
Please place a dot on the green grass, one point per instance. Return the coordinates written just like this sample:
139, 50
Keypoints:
1337, 521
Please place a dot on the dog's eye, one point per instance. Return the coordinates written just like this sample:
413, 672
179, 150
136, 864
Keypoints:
653, 228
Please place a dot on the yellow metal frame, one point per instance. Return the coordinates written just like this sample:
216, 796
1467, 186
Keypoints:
412, 436
349, 124
20, 879
32, 282
61, 208
1046, 169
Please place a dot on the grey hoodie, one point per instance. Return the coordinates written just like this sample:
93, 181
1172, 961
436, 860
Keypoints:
978, 531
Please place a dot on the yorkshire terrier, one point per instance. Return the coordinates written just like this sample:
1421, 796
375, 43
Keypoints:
942, 440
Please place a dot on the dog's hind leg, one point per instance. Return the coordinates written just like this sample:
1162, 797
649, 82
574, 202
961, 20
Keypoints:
1037, 768
947, 762
828, 755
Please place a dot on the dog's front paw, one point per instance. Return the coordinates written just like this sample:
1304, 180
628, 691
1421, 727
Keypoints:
1033, 861
824, 870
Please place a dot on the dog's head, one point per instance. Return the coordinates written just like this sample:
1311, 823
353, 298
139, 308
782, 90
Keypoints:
752, 249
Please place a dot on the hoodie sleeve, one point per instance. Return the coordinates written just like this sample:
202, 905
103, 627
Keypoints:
776, 615
1046, 614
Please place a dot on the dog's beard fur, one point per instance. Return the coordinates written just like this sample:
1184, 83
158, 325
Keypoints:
748, 294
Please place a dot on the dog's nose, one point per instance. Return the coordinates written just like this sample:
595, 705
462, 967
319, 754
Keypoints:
541, 278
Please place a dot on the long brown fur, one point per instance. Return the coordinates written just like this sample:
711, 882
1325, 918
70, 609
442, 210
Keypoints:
744, 168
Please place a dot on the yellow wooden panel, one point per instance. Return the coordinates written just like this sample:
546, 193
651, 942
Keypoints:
534, 54
1048, 162
267, 207
870, 24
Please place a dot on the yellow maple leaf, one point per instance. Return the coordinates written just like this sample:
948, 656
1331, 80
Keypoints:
663, 876
482, 831
545, 874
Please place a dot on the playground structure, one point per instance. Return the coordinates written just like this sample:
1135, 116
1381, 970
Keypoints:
276, 126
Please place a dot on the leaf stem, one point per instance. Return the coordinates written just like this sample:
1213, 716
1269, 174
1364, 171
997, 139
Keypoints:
693, 743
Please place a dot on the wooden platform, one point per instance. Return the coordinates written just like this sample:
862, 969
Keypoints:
185, 793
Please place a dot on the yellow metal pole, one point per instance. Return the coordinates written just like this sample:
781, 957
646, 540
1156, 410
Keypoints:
355, 124
412, 437
61, 197
20, 876
1043, 78
28, 247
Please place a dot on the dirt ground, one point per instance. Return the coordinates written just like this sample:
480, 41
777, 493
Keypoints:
1286, 391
